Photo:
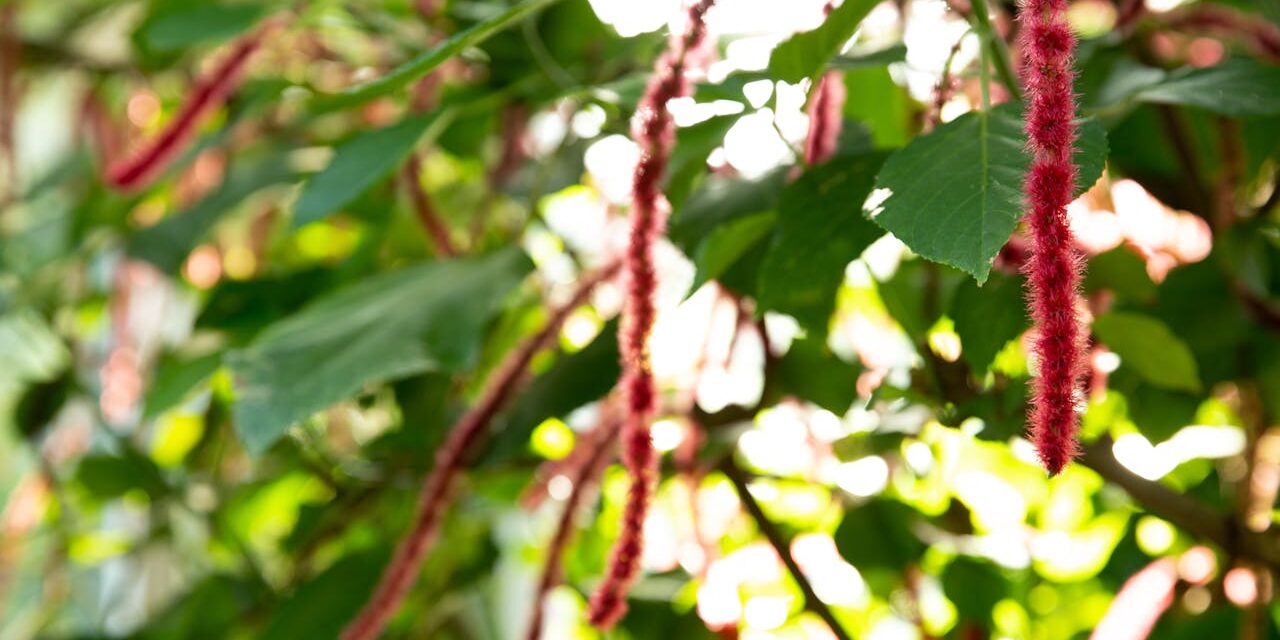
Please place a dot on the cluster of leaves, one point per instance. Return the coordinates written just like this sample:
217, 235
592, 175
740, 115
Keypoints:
279, 413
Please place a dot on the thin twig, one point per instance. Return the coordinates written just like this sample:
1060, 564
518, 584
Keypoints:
426, 212
775, 538
586, 473
436, 495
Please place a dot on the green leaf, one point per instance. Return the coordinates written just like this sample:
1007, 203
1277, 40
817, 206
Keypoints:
689, 158
727, 243
875, 100
975, 587
811, 372
409, 72
361, 162
805, 54
428, 317
870, 59
877, 535
323, 606
955, 195
167, 243
573, 381
175, 378
720, 200
1240, 87
988, 317
821, 229
1121, 271
201, 24
105, 476
1147, 347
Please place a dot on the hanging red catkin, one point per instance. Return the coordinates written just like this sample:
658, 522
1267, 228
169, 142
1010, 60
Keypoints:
1053, 271
826, 110
212, 90
655, 133
586, 470
437, 489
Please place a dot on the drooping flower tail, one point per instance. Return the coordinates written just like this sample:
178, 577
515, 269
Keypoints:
437, 489
211, 91
655, 133
1053, 270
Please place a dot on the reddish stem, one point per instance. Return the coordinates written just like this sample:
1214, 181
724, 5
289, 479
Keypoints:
427, 216
586, 471
1053, 271
655, 134
211, 91
437, 489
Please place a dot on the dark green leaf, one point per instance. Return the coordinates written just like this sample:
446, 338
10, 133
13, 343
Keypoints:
954, 195
877, 535
975, 587
215, 602
720, 200
1147, 347
41, 402
811, 372
1239, 87
821, 229
805, 54
429, 317
988, 317
361, 162
729, 242
322, 607
105, 476
201, 24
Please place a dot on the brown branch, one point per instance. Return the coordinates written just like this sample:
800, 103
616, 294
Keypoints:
1185, 512
779, 544
437, 488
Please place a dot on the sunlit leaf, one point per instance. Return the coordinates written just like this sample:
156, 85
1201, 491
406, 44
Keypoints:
1147, 346
805, 54
955, 195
